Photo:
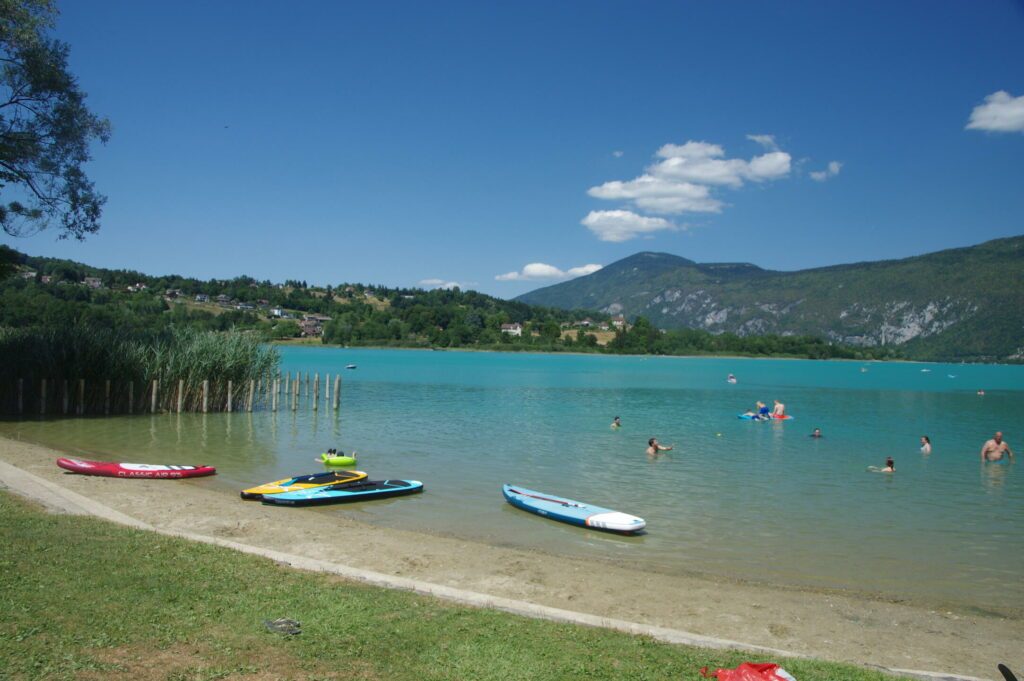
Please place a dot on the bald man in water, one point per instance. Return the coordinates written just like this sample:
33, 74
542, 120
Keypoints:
994, 449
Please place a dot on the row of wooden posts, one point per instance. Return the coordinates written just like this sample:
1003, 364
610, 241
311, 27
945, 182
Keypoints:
270, 392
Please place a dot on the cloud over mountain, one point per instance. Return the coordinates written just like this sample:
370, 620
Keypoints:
682, 180
539, 270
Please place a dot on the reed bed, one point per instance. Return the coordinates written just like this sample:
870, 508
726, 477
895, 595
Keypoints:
90, 370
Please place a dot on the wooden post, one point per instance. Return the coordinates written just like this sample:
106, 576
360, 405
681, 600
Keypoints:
277, 385
66, 396
106, 398
327, 389
316, 391
273, 399
288, 383
81, 396
252, 389
131, 396
21, 395
206, 395
307, 384
229, 395
156, 389
295, 393
337, 390
181, 394
42, 396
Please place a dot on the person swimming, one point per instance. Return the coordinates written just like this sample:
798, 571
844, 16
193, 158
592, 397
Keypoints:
616, 423
890, 467
731, 379
926, 445
817, 433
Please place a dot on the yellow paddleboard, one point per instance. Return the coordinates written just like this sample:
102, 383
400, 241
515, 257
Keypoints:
303, 482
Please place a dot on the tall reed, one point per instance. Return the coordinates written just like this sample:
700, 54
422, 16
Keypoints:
63, 356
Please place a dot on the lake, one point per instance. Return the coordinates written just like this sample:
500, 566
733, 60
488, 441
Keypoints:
741, 499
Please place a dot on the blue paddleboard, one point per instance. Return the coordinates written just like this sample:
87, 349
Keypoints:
572, 512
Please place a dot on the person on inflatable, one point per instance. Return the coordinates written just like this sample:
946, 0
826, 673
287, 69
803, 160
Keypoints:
779, 410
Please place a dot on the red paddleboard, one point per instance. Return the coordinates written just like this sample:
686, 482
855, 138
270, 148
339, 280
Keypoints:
133, 470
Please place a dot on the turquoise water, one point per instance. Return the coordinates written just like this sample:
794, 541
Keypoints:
750, 500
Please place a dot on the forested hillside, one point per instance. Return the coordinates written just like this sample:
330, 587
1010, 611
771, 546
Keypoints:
959, 304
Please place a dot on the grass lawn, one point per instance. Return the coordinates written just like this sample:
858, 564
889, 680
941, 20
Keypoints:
85, 599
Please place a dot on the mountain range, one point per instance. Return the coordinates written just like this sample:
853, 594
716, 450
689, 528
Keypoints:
963, 304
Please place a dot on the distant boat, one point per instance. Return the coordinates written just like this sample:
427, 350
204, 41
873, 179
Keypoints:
951, 375
350, 366
926, 371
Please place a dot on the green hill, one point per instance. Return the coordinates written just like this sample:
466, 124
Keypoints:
953, 305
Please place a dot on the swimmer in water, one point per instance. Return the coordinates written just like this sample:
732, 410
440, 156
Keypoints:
994, 449
926, 445
890, 467
616, 423
817, 433
653, 448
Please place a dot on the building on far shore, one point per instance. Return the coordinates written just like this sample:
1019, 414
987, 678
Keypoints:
619, 321
515, 329
93, 282
202, 298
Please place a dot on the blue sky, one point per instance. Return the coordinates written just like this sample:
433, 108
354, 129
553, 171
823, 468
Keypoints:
399, 143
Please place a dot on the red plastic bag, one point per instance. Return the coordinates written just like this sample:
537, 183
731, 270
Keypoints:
751, 671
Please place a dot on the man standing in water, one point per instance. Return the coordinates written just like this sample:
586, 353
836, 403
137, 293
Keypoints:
653, 448
994, 449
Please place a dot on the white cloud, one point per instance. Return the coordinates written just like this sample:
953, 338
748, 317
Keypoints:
439, 283
1001, 112
617, 153
683, 181
766, 141
691, 150
658, 195
831, 170
623, 225
540, 270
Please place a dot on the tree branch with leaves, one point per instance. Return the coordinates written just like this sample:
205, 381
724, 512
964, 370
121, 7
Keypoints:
46, 129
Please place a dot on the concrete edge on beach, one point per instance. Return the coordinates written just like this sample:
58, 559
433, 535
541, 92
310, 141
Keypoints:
62, 500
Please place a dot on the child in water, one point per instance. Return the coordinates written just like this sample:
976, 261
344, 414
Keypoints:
926, 445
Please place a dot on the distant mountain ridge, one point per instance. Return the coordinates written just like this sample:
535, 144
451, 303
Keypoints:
957, 304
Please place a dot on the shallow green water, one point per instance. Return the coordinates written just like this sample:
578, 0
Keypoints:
751, 500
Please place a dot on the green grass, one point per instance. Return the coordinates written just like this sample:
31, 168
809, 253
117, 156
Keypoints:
85, 599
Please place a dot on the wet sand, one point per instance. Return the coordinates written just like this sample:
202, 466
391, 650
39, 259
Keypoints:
829, 625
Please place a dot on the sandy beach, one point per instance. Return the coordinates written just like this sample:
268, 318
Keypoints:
834, 626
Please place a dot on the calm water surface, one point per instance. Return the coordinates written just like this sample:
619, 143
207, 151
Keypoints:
752, 500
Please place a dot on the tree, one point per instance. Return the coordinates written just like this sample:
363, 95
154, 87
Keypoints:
46, 129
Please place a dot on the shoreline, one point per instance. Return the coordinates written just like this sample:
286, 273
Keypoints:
847, 627
301, 343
